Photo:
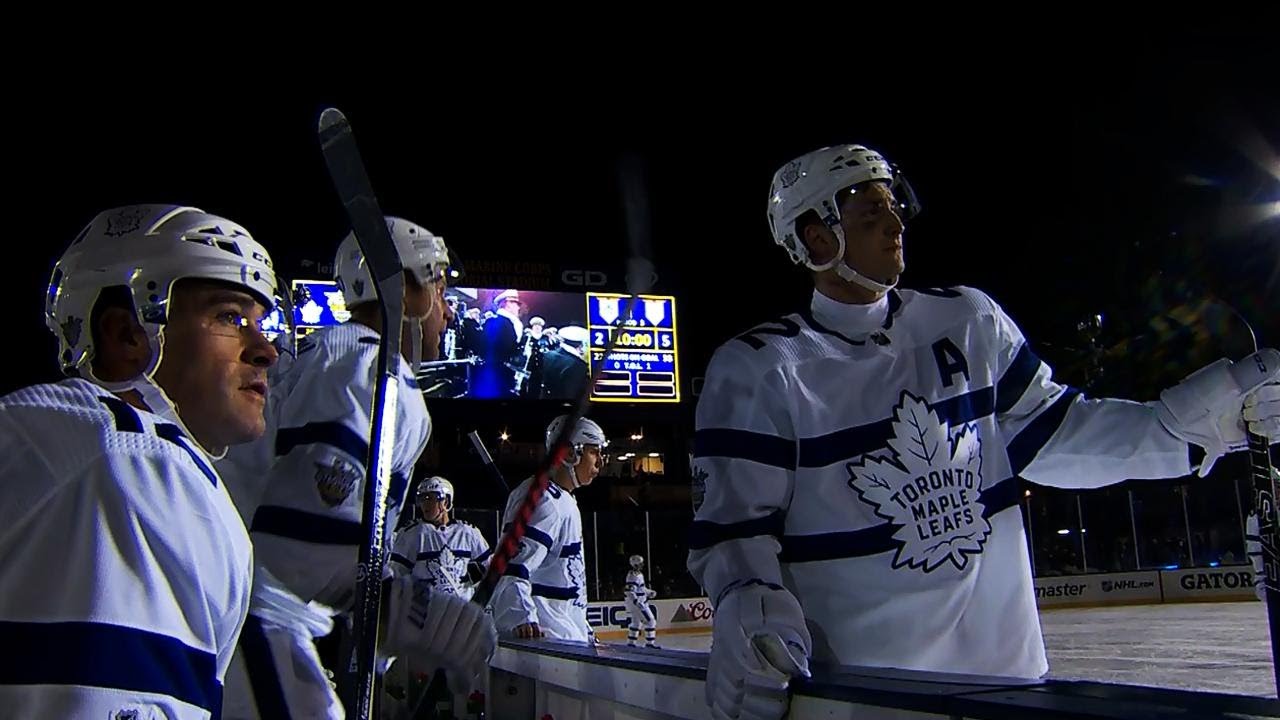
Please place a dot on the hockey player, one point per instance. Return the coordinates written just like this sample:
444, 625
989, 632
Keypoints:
636, 597
301, 490
450, 554
859, 460
544, 590
125, 568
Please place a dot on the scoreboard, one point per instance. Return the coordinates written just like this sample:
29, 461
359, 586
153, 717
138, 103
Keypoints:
644, 365
317, 304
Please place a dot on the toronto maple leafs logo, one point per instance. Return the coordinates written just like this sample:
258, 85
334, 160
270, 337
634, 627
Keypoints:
336, 480
699, 486
790, 174
123, 223
71, 330
577, 572
443, 571
928, 488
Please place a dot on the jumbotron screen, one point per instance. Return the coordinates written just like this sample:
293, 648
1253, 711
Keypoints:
537, 344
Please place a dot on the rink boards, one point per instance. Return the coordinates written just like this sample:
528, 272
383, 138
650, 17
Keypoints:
1221, 584
561, 681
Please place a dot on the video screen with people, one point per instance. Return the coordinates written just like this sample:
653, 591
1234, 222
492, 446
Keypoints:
506, 343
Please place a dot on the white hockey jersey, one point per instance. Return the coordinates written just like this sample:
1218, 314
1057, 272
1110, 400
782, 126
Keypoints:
301, 486
439, 554
126, 569
869, 458
545, 582
634, 587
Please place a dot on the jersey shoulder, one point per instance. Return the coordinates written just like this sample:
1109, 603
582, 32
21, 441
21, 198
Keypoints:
72, 424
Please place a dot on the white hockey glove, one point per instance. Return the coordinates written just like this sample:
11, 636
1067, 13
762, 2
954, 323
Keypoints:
1209, 408
437, 628
652, 594
759, 642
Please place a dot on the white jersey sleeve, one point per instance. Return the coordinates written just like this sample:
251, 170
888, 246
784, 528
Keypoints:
404, 550
125, 566
745, 474
513, 597
307, 530
634, 587
475, 543
1060, 438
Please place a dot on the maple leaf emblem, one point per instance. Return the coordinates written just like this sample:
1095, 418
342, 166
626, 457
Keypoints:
444, 572
927, 488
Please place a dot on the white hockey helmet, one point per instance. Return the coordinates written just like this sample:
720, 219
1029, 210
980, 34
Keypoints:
636, 561
148, 248
586, 432
439, 486
814, 181
423, 254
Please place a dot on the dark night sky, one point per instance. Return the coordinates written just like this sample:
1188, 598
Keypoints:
1051, 174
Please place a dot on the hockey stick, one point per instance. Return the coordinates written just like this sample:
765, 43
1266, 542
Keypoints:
1264, 504
490, 468
640, 276
347, 171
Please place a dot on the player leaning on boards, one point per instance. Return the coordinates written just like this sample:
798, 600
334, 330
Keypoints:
860, 457
125, 567
301, 489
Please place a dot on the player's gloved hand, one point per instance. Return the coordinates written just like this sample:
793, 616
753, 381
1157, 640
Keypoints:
1209, 408
759, 642
431, 627
527, 631
653, 594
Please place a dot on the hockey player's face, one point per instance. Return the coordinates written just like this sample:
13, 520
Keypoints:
873, 232
435, 323
428, 304
434, 509
589, 464
214, 366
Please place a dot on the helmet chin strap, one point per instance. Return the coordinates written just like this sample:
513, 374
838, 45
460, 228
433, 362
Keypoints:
570, 462
415, 344
846, 273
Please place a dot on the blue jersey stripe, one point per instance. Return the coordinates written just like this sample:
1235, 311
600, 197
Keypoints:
126, 417
174, 434
704, 533
1017, 378
1028, 443
91, 654
333, 434
533, 533
838, 545
555, 593
879, 538
843, 445
308, 527
745, 445
264, 678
